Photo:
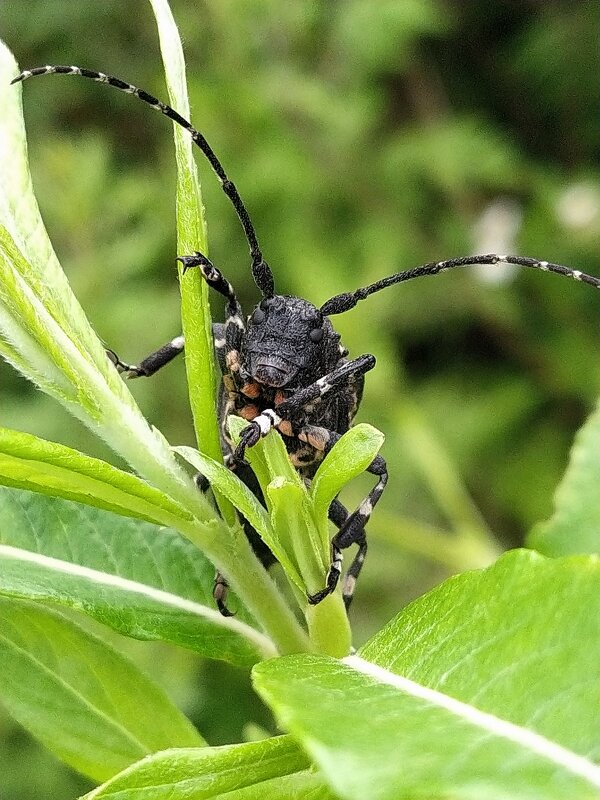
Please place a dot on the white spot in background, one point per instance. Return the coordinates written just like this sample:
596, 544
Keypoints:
495, 232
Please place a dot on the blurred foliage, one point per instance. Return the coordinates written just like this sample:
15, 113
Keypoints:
365, 138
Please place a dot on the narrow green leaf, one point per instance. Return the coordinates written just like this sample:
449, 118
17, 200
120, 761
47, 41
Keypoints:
242, 498
229, 485
296, 535
19, 213
131, 608
488, 686
86, 703
575, 526
191, 236
268, 458
273, 769
348, 458
301, 545
47, 336
28, 462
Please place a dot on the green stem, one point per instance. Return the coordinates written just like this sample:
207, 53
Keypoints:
230, 551
329, 628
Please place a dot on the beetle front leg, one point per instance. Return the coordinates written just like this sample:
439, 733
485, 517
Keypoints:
294, 405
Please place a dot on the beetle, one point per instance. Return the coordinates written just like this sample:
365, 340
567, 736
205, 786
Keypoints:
284, 367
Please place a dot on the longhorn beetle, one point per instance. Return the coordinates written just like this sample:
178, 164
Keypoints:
284, 367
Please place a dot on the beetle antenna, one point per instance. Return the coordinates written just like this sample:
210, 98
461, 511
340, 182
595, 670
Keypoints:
261, 271
347, 300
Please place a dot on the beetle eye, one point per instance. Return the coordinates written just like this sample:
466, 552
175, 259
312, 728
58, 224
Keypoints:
258, 316
316, 334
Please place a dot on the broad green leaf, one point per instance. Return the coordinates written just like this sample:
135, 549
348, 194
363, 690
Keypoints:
575, 526
122, 550
273, 769
86, 703
27, 462
97, 539
487, 687
131, 608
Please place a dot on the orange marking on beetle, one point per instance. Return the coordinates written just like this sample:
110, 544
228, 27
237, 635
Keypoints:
249, 411
303, 457
315, 437
285, 427
251, 389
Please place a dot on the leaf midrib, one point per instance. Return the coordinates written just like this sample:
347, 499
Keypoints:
536, 743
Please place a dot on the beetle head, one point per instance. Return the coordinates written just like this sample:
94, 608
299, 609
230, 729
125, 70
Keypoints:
288, 342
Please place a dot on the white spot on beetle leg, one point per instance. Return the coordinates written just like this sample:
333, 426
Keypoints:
366, 507
266, 420
349, 585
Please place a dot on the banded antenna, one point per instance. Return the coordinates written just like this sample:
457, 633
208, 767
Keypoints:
261, 271
347, 300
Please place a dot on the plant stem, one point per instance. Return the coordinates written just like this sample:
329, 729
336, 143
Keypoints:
231, 551
329, 628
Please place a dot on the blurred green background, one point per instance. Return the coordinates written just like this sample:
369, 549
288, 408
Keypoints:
365, 137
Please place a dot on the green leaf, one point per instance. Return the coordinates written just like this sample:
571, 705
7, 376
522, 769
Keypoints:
27, 462
229, 485
349, 457
268, 458
19, 213
191, 236
131, 608
273, 769
93, 538
487, 687
86, 703
575, 526
45, 333
301, 545
143, 581
47, 347
244, 500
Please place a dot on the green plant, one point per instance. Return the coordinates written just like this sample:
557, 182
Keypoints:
485, 687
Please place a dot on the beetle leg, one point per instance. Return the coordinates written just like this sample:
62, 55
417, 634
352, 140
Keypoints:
279, 417
352, 531
151, 363
220, 591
